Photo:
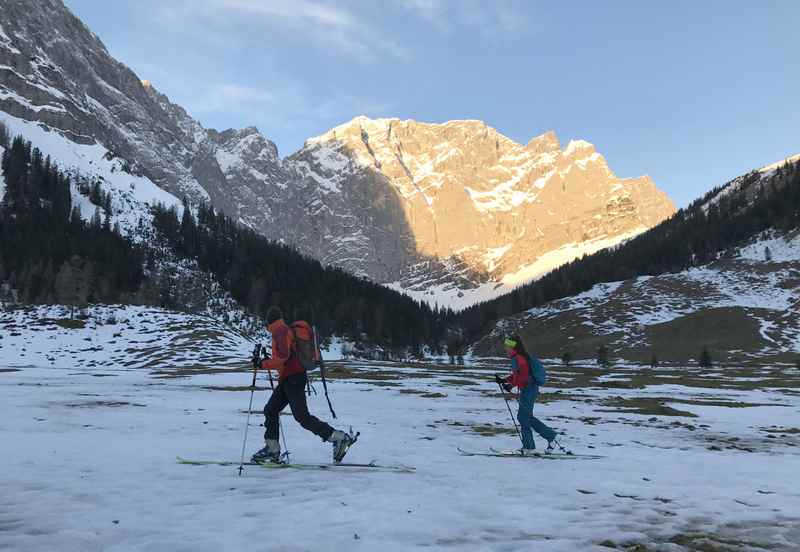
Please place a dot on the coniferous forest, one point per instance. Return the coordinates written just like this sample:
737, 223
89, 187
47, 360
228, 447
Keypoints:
260, 273
693, 236
49, 254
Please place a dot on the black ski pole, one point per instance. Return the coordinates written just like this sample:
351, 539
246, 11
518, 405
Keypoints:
321, 364
255, 360
325, 384
502, 392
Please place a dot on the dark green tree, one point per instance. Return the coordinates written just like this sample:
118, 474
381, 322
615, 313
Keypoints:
602, 356
705, 358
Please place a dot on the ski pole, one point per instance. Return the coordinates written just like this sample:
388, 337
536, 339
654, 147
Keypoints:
321, 364
509, 411
255, 360
280, 426
325, 384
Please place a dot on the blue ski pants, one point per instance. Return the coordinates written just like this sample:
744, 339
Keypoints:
528, 422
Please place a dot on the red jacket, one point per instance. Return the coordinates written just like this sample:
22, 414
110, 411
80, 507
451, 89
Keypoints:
520, 371
283, 358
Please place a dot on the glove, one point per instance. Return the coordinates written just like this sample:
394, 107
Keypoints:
499, 379
508, 387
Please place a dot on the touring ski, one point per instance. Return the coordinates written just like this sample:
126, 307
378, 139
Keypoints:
539, 455
345, 466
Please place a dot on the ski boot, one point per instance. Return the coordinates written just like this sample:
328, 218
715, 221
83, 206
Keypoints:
271, 453
341, 443
528, 452
553, 445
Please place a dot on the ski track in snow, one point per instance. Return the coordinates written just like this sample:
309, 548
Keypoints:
89, 464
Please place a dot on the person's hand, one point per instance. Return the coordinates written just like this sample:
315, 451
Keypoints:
499, 379
508, 387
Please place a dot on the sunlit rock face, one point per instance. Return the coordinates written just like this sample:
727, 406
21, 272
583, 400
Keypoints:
469, 193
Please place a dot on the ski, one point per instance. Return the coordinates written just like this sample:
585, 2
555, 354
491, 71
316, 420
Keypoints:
346, 466
540, 455
551, 454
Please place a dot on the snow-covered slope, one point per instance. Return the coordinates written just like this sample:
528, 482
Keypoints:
743, 306
131, 195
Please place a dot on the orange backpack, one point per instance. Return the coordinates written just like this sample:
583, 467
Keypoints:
304, 344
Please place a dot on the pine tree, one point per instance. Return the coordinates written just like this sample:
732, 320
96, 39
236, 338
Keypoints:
96, 194
72, 284
767, 254
654, 361
566, 358
5, 138
602, 356
705, 358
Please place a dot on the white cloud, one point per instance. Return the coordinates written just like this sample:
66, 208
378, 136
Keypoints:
488, 18
232, 98
327, 24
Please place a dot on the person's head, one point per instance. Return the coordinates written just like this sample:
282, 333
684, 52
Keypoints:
274, 313
514, 345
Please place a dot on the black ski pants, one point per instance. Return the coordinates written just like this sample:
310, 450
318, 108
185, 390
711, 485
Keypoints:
292, 391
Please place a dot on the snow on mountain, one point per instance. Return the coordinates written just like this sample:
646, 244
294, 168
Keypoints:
750, 184
743, 306
131, 194
459, 298
464, 193
771, 168
380, 198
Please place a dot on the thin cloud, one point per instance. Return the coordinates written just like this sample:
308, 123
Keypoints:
327, 24
230, 97
488, 18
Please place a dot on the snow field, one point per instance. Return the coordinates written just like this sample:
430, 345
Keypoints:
92, 466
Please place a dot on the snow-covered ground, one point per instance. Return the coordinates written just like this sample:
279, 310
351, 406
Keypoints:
691, 462
132, 336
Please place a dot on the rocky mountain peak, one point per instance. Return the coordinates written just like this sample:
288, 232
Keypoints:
544, 143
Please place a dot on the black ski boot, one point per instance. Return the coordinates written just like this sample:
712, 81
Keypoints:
553, 445
341, 443
271, 453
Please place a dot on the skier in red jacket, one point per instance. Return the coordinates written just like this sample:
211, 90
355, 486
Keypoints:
527, 374
290, 391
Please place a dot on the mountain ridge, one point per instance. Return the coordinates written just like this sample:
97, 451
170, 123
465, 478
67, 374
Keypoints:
371, 196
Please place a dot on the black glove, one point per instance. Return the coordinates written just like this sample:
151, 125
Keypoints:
256, 358
499, 379
508, 387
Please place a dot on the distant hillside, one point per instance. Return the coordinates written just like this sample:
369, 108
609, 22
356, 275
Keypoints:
726, 218
743, 307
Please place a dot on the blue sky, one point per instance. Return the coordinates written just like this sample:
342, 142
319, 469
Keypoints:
691, 93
